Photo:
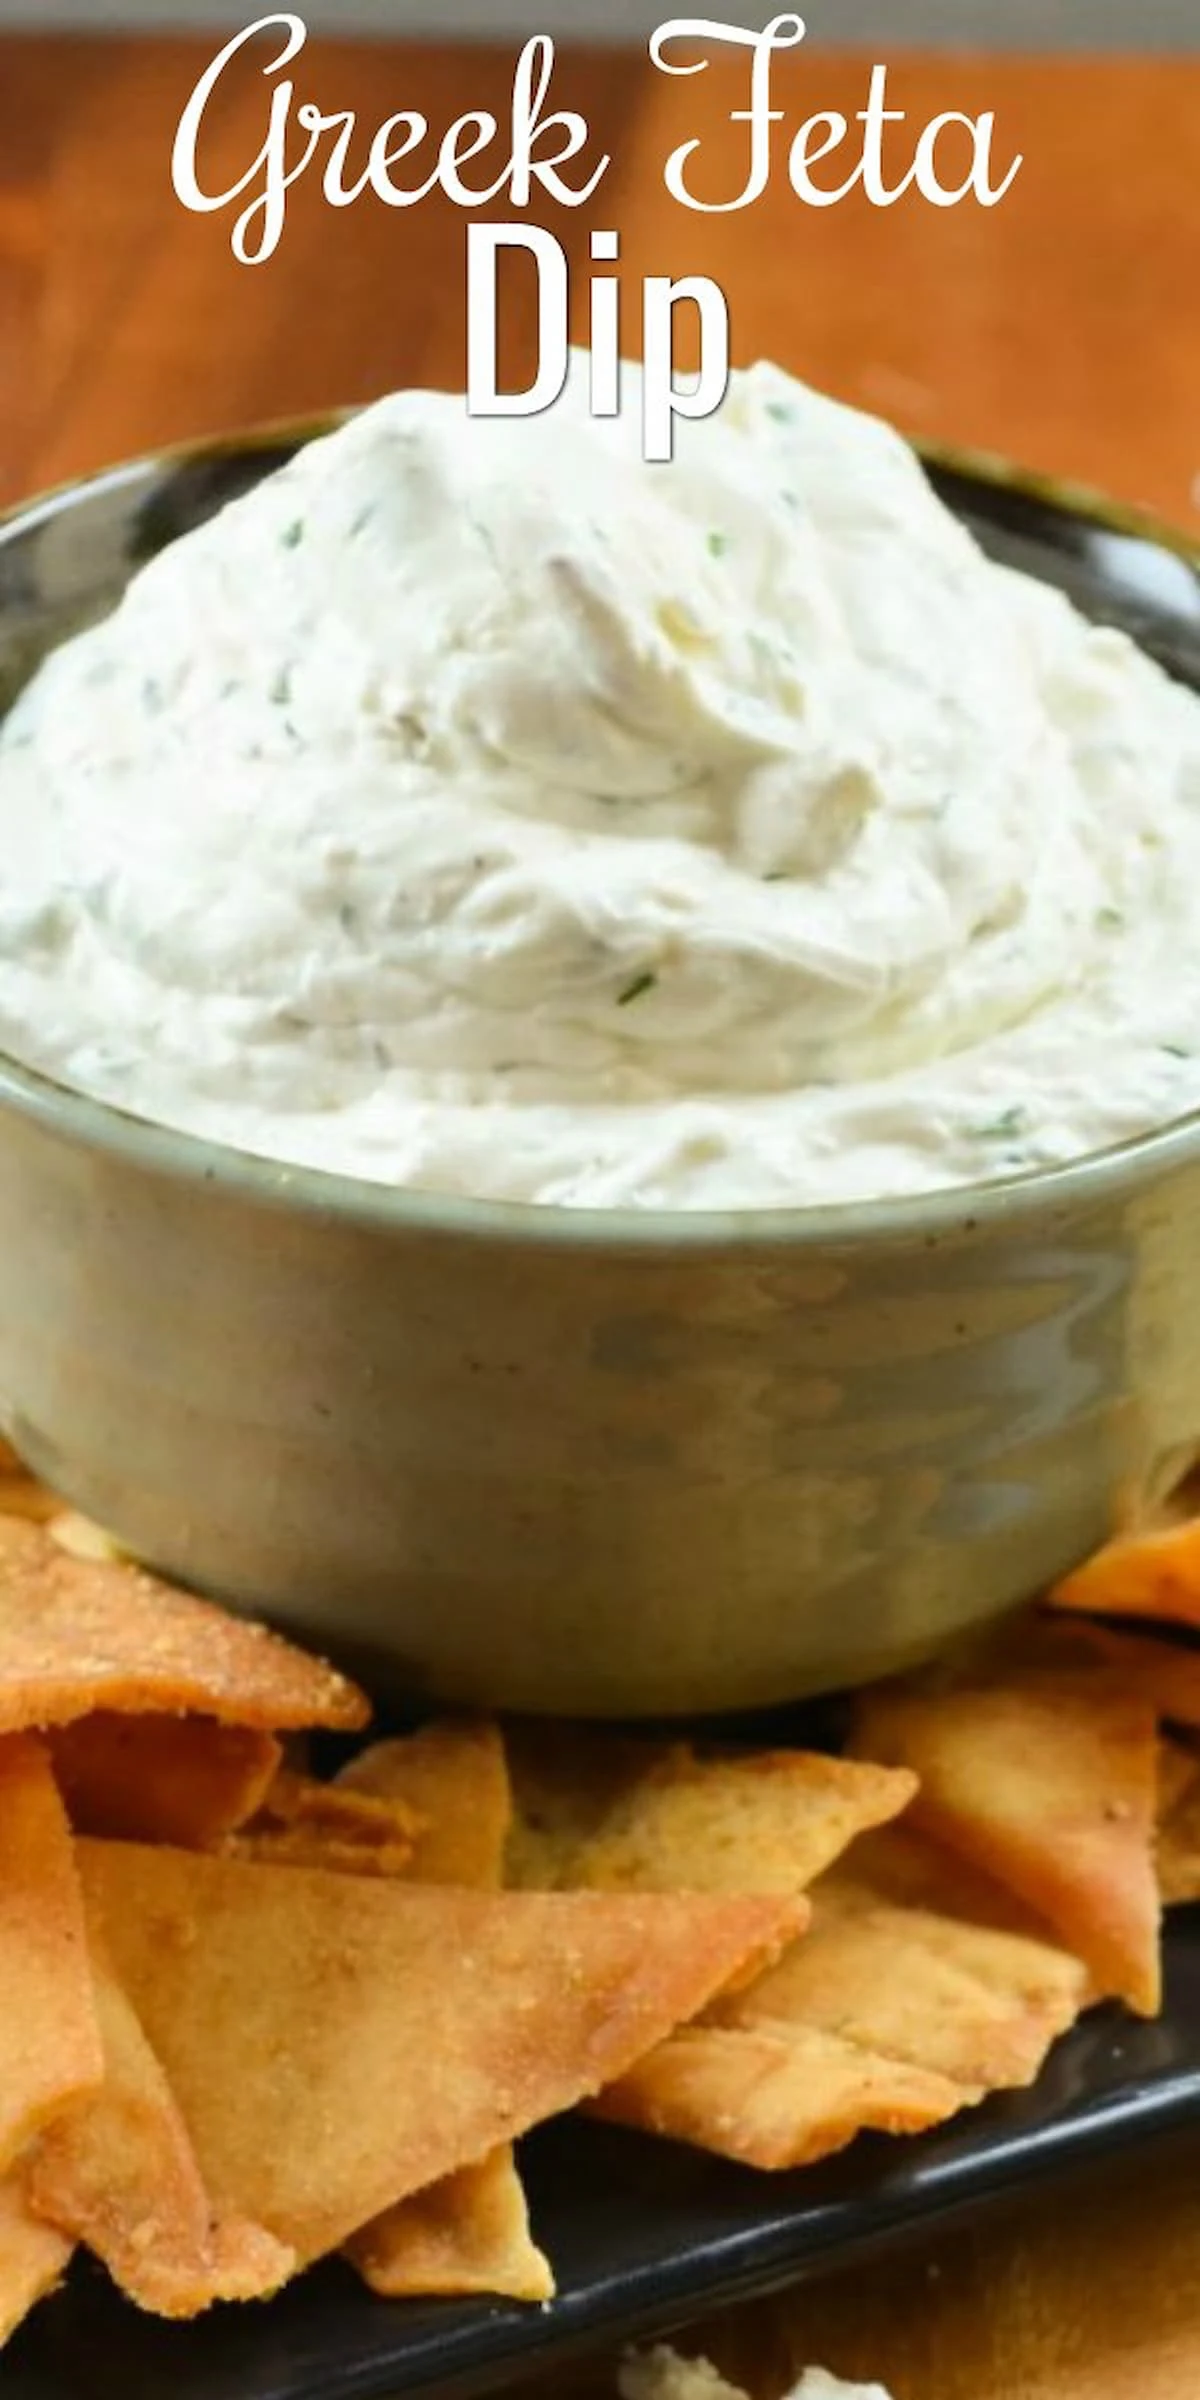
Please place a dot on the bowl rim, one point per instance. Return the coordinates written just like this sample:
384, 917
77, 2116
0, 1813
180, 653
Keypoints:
1096, 1179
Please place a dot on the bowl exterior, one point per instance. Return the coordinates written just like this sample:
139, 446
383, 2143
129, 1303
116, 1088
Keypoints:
588, 1477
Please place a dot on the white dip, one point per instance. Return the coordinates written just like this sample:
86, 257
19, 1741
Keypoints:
478, 808
661, 2374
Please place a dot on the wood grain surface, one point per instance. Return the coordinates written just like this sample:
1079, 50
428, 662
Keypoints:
1090, 2293
1062, 327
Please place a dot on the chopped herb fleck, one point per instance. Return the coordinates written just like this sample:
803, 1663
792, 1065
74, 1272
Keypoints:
761, 650
281, 689
1003, 1128
718, 544
777, 875
781, 411
636, 990
153, 696
485, 535
293, 534
1110, 917
1176, 1049
362, 520
348, 917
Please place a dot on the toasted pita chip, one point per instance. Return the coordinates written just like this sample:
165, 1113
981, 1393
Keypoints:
1048, 1783
33, 2257
49, 2038
1177, 1852
1179, 1857
467, 2234
903, 1864
962, 2000
23, 1495
1154, 1572
602, 1813
336, 2042
186, 1780
304, 1823
566, 1780
118, 2173
1178, 1775
452, 1775
1162, 1672
775, 2099
81, 1634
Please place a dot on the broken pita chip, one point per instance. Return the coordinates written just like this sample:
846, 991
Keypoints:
336, 2042
186, 1780
1048, 1783
33, 2257
49, 2038
453, 1777
118, 2173
775, 2099
768, 1821
1154, 1572
304, 1823
965, 2001
468, 2234
81, 1634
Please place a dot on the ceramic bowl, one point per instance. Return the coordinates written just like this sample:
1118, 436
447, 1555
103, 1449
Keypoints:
609, 1464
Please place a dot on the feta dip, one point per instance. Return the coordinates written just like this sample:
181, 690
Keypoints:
661, 2374
477, 808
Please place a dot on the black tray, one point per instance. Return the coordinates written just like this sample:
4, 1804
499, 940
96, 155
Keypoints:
643, 2237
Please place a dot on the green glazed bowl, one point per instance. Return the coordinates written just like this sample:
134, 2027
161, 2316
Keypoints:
609, 1464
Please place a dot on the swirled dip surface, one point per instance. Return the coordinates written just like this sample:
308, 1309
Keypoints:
477, 807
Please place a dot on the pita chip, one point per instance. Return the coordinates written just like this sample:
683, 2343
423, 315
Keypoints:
1178, 1847
50, 2049
1178, 1777
1048, 1783
904, 1864
659, 1818
33, 2257
965, 2001
23, 1494
186, 1780
773, 2098
467, 2234
1151, 1573
305, 1823
337, 2042
79, 1634
1163, 1672
470, 2232
453, 1777
118, 2173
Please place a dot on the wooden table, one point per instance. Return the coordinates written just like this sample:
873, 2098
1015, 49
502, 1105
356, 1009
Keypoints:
1062, 327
